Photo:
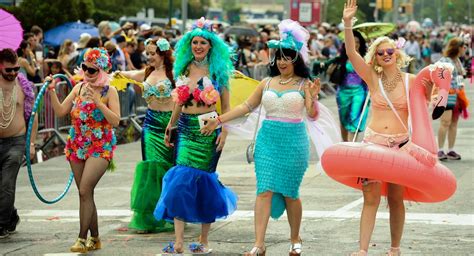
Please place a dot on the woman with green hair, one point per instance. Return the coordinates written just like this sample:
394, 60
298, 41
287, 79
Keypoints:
191, 189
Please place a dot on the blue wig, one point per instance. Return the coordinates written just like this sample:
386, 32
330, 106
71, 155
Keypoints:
219, 56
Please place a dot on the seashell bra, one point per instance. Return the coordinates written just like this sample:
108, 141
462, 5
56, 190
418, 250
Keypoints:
162, 89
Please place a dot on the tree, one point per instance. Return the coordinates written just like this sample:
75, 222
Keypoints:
335, 7
114, 9
51, 13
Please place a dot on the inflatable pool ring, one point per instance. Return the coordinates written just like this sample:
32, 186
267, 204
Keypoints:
414, 166
38, 101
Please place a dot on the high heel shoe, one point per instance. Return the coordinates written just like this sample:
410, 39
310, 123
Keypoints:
394, 251
296, 249
256, 251
79, 246
93, 243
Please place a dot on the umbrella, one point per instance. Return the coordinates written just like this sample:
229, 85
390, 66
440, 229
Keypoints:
240, 31
71, 30
11, 32
371, 30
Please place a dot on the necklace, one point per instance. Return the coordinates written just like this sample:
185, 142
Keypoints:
8, 109
392, 84
280, 81
201, 63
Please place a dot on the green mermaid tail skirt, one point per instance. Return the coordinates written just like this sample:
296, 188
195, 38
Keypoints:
157, 159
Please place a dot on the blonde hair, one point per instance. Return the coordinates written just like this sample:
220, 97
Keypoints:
402, 58
64, 50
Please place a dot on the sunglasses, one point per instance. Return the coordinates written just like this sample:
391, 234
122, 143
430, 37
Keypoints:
14, 69
89, 69
389, 51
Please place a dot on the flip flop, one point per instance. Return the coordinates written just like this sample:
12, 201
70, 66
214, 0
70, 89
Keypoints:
199, 249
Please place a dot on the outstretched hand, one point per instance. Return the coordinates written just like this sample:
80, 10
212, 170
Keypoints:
350, 10
210, 124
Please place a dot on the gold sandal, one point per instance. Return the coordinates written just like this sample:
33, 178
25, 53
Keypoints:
79, 246
93, 243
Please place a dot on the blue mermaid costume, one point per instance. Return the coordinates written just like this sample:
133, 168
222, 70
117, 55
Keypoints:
282, 147
191, 190
350, 97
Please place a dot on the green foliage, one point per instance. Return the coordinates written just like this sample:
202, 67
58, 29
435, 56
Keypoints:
114, 9
455, 11
335, 8
51, 13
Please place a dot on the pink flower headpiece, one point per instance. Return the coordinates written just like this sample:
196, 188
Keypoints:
202, 23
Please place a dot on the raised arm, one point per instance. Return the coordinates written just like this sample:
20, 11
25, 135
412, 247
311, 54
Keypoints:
61, 109
363, 69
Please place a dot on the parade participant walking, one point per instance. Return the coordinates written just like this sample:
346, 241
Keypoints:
351, 90
158, 83
282, 146
16, 101
94, 109
191, 189
449, 120
388, 87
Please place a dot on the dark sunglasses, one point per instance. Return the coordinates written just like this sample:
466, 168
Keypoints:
89, 69
14, 69
389, 51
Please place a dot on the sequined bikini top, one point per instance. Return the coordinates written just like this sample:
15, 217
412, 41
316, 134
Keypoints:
162, 89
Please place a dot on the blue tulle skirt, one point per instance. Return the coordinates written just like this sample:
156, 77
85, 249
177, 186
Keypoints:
191, 190
194, 196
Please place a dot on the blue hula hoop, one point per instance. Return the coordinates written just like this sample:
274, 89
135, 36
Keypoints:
38, 100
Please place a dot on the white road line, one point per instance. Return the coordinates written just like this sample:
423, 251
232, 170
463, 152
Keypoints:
342, 213
349, 206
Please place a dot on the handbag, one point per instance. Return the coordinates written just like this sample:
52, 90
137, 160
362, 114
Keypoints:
335, 75
251, 147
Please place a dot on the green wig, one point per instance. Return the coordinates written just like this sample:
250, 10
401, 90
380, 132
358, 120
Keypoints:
219, 56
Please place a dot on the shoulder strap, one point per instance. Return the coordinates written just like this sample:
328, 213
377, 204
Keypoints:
260, 109
390, 104
303, 80
80, 88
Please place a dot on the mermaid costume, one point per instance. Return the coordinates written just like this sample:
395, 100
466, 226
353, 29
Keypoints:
157, 159
282, 147
350, 97
192, 191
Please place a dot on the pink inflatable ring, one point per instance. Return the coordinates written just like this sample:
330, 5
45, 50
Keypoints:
415, 166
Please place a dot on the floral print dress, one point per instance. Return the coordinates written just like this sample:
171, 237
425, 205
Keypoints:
91, 135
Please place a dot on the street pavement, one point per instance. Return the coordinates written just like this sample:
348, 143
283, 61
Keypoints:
330, 220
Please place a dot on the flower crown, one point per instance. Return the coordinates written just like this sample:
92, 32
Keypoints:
161, 43
202, 23
99, 57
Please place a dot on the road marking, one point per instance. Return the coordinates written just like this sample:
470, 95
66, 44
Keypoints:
340, 214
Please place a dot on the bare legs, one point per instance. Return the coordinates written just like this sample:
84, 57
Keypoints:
87, 174
263, 204
448, 126
179, 233
371, 203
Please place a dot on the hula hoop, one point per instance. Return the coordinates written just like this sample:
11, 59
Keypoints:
28, 141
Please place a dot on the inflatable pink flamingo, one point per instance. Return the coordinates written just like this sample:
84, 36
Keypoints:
415, 165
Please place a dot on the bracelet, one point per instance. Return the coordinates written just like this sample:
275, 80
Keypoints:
349, 28
248, 106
